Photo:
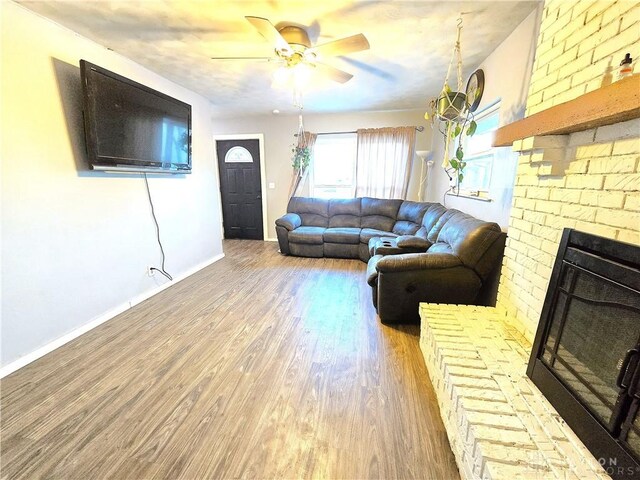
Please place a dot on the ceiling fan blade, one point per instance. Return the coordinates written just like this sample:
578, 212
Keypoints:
354, 43
378, 72
269, 32
242, 58
333, 73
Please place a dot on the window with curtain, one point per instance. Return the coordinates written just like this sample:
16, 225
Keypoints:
334, 166
383, 164
479, 154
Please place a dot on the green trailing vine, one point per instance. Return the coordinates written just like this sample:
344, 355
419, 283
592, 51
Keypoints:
301, 158
457, 162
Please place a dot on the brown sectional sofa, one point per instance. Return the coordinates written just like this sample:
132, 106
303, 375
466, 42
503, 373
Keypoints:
416, 251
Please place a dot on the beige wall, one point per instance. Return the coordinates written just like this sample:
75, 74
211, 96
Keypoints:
597, 188
76, 244
279, 136
507, 73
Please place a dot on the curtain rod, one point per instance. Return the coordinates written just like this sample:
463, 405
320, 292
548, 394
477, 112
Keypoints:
419, 129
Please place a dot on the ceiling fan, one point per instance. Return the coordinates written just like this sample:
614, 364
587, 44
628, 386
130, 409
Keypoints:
292, 47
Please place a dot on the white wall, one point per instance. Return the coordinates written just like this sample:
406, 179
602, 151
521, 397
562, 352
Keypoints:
76, 243
279, 134
507, 74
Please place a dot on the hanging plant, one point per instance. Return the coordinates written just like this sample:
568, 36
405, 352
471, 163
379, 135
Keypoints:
449, 106
301, 157
453, 113
454, 123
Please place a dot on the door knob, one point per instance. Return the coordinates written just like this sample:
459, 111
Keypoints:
258, 197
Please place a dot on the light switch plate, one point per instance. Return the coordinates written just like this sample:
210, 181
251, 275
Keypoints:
272, 185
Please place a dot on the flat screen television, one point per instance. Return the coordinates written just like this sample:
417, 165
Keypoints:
132, 128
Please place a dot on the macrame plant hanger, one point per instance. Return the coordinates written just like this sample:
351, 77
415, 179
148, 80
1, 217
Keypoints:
300, 171
457, 55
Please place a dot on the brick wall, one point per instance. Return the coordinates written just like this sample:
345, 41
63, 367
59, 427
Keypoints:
593, 183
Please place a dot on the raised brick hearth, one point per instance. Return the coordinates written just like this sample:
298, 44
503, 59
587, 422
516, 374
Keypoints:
499, 424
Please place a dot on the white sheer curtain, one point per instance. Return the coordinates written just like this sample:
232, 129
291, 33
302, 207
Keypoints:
384, 161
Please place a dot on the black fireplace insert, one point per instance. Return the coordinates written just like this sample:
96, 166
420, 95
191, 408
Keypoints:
586, 354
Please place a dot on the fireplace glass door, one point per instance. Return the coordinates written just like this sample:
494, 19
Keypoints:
586, 356
595, 323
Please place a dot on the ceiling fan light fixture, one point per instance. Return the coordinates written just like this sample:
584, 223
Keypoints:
297, 76
301, 75
281, 76
310, 56
284, 52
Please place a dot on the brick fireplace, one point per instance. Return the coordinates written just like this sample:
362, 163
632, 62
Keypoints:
498, 422
590, 180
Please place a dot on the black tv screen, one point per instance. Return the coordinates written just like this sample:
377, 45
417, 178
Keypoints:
132, 128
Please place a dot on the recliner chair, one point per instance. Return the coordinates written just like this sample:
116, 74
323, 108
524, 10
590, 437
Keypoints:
460, 267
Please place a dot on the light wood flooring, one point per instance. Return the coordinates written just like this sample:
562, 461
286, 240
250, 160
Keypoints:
258, 366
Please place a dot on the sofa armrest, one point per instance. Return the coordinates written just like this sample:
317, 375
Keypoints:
372, 269
411, 241
290, 221
404, 281
417, 261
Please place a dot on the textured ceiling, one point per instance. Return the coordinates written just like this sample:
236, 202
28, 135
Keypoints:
411, 44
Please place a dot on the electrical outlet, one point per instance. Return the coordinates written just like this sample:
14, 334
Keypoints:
150, 272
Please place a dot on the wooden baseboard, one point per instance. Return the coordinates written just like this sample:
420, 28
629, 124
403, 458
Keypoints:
58, 342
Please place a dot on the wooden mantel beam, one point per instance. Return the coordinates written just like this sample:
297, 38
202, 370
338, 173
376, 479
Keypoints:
613, 103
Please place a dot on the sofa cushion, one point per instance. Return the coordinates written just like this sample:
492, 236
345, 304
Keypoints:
308, 235
344, 212
348, 221
431, 216
410, 217
432, 234
342, 235
313, 212
440, 247
379, 214
413, 211
411, 241
367, 234
344, 206
404, 227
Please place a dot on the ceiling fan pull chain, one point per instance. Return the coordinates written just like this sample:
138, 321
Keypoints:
302, 141
297, 100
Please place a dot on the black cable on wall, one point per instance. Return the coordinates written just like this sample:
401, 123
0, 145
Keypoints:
155, 221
